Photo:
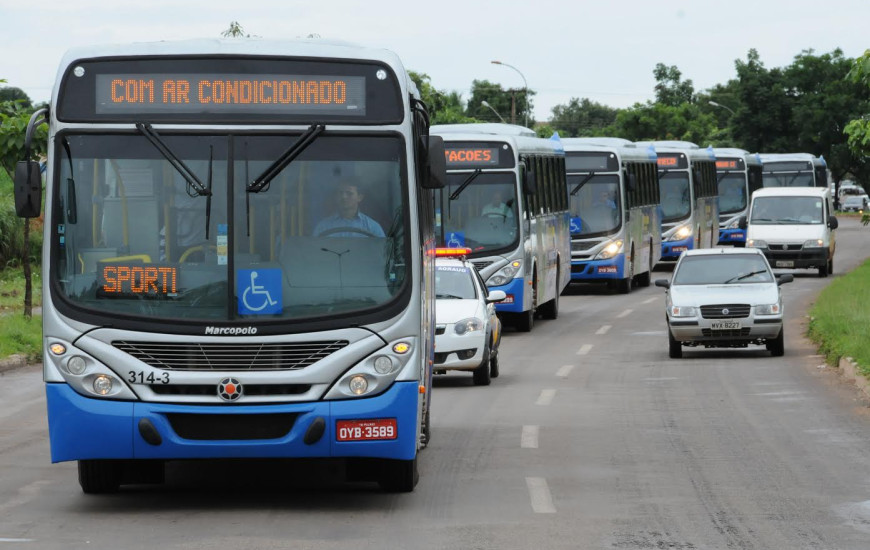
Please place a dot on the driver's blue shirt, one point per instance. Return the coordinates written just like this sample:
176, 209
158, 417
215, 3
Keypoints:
360, 221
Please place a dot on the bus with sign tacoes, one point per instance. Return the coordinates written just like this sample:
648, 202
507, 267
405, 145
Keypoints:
616, 228
239, 258
505, 199
793, 170
738, 175
689, 197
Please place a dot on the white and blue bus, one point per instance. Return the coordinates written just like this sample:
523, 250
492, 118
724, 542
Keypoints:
793, 170
616, 226
738, 174
506, 200
687, 185
239, 258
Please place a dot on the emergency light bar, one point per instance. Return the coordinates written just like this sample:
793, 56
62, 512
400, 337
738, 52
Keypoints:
452, 252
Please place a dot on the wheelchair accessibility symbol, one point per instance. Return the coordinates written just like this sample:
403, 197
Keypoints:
259, 291
456, 239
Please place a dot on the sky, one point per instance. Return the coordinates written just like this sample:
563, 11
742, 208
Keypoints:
603, 50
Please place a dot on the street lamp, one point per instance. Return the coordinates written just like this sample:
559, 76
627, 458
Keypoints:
714, 104
491, 108
525, 88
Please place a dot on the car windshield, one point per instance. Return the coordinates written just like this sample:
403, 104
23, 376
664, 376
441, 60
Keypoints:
710, 269
453, 282
676, 199
786, 210
595, 208
732, 193
483, 216
324, 238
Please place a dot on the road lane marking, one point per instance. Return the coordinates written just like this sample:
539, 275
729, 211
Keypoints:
564, 371
603, 330
584, 349
529, 438
16, 540
625, 313
651, 300
539, 492
546, 397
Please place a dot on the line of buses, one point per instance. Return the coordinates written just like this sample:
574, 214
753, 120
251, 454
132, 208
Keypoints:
203, 297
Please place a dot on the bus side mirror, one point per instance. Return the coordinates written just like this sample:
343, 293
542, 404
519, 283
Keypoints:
832, 222
529, 187
28, 189
435, 170
741, 223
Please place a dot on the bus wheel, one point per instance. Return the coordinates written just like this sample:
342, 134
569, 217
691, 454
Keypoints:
398, 476
99, 476
525, 320
831, 266
624, 285
823, 270
550, 310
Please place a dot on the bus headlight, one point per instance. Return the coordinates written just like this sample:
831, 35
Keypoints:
684, 232
468, 325
815, 243
76, 365
612, 249
770, 309
102, 385
358, 384
504, 275
375, 373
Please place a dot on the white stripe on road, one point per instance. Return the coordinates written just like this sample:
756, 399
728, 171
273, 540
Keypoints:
546, 397
539, 492
16, 540
564, 371
603, 330
584, 349
529, 438
651, 300
625, 313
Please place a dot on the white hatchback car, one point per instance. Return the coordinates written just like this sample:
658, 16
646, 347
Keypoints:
724, 298
467, 330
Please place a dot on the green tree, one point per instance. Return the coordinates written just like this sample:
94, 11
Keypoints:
13, 125
13, 94
858, 129
582, 117
670, 89
235, 30
763, 119
514, 105
657, 121
444, 107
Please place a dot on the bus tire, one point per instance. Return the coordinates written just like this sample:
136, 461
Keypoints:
823, 270
550, 310
831, 266
398, 476
480, 375
99, 476
675, 349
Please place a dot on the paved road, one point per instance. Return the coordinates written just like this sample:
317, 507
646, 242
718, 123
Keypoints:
591, 438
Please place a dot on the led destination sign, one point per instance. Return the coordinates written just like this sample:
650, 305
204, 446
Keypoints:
729, 164
470, 154
672, 160
137, 281
230, 93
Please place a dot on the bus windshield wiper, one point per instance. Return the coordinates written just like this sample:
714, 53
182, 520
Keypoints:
582, 183
263, 180
794, 177
465, 184
723, 174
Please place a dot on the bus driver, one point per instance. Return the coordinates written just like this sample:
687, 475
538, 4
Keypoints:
348, 221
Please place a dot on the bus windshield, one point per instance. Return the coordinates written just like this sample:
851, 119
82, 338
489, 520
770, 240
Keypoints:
675, 196
787, 210
595, 207
483, 216
134, 238
732, 193
788, 179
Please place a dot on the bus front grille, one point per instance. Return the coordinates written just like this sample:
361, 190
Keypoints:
250, 390
230, 357
223, 427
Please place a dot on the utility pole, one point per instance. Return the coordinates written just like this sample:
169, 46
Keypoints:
513, 92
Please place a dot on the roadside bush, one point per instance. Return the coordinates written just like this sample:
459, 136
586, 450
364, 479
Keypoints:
12, 230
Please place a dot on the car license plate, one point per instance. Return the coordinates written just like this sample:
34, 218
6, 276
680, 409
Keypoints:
726, 325
366, 430
785, 263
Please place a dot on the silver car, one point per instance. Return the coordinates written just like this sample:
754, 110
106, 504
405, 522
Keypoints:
724, 298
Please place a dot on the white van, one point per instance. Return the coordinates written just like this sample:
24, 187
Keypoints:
793, 227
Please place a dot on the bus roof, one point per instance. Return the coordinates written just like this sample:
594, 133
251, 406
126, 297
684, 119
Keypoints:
491, 128
785, 157
313, 47
603, 141
691, 150
629, 151
520, 143
734, 152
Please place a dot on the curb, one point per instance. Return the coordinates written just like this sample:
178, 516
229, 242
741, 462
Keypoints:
849, 369
13, 362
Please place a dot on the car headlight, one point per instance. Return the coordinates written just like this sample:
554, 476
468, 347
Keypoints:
814, 243
756, 243
468, 325
770, 309
612, 249
684, 311
504, 275
684, 232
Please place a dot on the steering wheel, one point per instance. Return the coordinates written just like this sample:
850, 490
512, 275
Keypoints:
494, 215
195, 249
335, 230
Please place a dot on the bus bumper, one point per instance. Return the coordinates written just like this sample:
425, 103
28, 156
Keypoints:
731, 236
514, 301
83, 428
671, 250
592, 270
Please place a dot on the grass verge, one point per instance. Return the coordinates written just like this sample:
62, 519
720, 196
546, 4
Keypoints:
840, 319
21, 335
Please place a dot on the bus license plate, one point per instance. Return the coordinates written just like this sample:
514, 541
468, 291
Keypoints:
726, 325
366, 430
785, 263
